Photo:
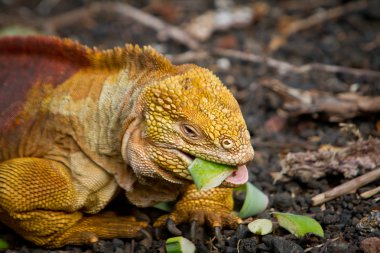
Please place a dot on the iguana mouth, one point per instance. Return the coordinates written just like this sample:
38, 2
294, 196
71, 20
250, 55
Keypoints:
239, 176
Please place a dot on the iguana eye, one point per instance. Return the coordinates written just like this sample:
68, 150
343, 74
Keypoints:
189, 131
227, 143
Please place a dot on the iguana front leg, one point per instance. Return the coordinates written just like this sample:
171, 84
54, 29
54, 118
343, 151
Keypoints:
213, 207
39, 201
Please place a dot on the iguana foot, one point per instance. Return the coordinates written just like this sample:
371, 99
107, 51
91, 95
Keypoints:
38, 200
212, 207
90, 229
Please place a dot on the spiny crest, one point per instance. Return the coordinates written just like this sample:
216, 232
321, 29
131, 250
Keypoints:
48, 46
130, 56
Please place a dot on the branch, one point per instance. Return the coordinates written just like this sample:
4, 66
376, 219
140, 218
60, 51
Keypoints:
347, 187
164, 30
370, 193
285, 67
338, 107
313, 20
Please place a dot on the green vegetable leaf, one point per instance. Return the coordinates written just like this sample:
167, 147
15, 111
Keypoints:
207, 175
179, 244
298, 225
3, 244
255, 201
164, 206
260, 226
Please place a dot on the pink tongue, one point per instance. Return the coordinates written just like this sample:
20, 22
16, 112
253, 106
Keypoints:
240, 176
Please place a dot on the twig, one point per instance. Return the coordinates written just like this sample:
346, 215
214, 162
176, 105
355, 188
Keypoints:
347, 187
336, 106
372, 45
322, 244
285, 67
315, 19
370, 193
296, 5
164, 30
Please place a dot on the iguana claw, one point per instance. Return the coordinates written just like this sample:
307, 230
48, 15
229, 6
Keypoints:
212, 207
193, 230
147, 241
170, 224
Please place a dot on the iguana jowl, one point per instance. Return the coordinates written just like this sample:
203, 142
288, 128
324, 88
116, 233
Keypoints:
78, 124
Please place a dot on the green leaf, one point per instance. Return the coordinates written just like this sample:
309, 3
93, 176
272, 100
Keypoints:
164, 206
255, 201
207, 175
179, 244
260, 226
3, 244
298, 225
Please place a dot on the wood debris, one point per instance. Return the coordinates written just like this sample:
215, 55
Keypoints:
165, 30
226, 16
316, 19
337, 107
202, 27
370, 193
283, 68
357, 158
347, 187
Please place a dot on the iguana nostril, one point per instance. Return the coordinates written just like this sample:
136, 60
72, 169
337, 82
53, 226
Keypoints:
227, 144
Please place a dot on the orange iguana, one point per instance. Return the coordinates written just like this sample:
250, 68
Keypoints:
78, 125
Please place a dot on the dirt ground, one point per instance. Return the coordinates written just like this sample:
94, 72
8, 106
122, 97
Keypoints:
264, 47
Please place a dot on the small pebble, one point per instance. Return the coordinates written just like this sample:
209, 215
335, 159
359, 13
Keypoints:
223, 63
230, 250
118, 243
282, 201
330, 219
280, 245
247, 245
341, 247
370, 245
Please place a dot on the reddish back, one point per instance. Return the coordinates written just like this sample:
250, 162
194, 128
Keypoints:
27, 61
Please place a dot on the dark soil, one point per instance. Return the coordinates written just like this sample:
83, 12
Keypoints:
345, 41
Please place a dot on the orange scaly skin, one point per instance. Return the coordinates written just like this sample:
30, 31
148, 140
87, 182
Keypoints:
78, 124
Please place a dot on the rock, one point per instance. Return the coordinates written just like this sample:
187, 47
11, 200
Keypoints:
330, 219
233, 241
275, 123
230, 250
247, 245
280, 245
201, 248
341, 247
104, 246
282, 201
370, 245
118, 243
242, 232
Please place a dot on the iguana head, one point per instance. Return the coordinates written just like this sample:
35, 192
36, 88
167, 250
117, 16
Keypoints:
192, 114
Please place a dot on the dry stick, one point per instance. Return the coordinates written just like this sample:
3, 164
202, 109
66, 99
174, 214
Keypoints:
284, 67
315, 19
336, 106
347, 187
294, 5
125, 10
370, 193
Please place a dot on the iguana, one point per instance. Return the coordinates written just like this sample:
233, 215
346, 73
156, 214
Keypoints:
78, 125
